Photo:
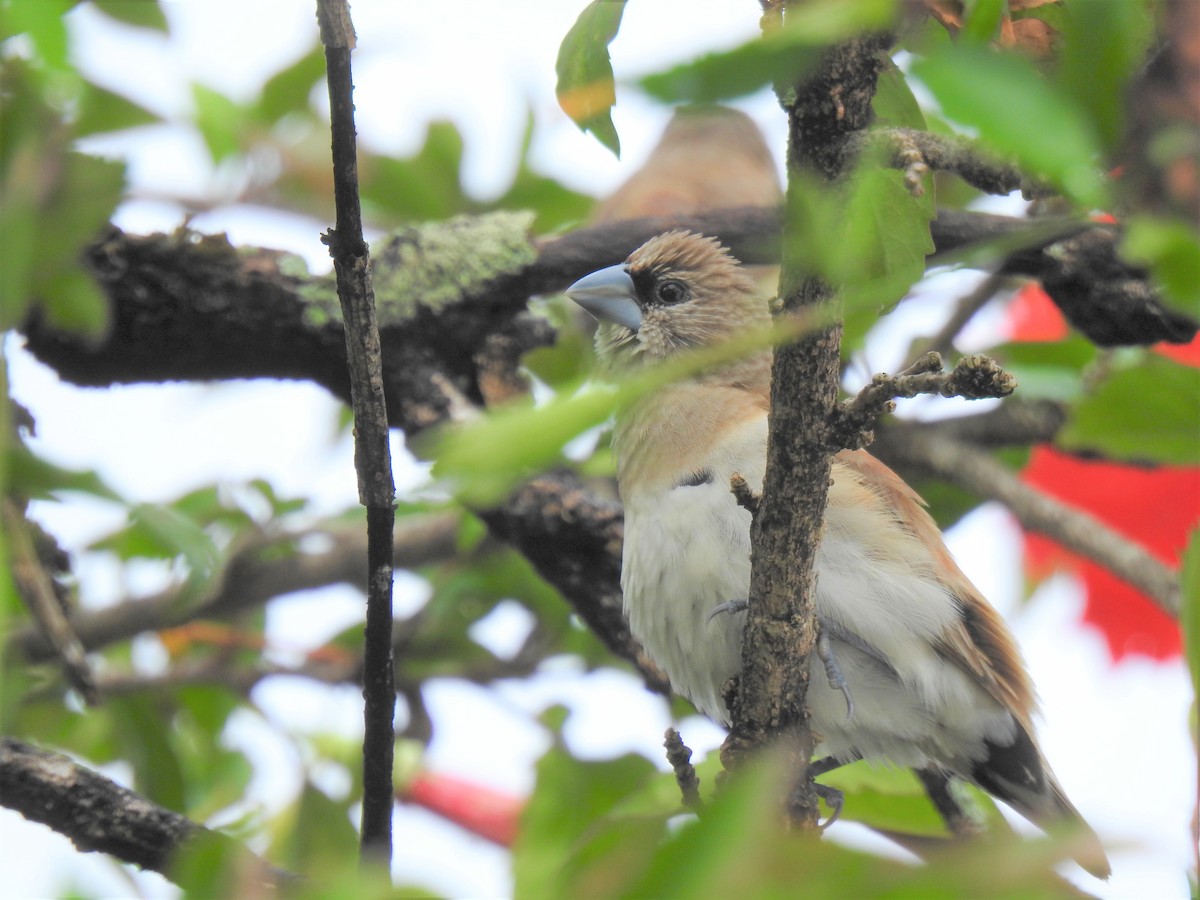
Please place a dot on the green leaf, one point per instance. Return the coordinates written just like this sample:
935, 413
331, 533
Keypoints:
1019, 114
717, 77
738, 849
1104, 44
74, 302
585, 87
1051, 370
553, 832
1148, 413
139, 13
870, 238
86, 193
983, 20
82, 200
36, 478
1171, 250
427, 186
288, 90
781, 56
145, 736
208, 866
320, 835
480, 462
554, 203
886, 798
887, 231
1189, 616
159, 532
219, 120
43, 21
894, 104
100, 110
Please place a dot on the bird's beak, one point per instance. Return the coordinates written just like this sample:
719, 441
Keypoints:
609, 296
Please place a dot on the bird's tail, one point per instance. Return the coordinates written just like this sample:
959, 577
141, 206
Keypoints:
1018, 774
1052, 811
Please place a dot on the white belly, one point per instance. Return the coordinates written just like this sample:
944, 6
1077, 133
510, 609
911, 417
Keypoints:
690, 550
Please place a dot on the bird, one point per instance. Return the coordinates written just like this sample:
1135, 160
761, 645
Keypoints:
915, 668
708, 157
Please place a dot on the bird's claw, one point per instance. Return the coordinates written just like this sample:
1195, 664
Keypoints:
833, 798
733, 606
833, 671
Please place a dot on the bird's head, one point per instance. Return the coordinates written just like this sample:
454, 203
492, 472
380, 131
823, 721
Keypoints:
676, 291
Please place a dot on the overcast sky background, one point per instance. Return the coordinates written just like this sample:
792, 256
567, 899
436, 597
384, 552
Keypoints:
1117, 737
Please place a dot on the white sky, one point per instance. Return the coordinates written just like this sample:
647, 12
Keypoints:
1117, 737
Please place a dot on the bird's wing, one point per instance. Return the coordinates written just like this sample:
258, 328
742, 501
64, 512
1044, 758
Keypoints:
977, 641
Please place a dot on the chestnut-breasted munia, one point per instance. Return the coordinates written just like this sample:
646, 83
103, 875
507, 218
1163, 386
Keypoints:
917, 668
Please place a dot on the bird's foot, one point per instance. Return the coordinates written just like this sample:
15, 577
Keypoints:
833, 671
833, 798
733, 606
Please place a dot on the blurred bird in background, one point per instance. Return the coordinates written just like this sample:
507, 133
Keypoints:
709, 157
913, 666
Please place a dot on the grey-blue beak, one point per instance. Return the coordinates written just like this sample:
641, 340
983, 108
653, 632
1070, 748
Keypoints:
608, 294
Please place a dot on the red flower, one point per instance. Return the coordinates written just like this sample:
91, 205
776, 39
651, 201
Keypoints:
481, 810
1155, 507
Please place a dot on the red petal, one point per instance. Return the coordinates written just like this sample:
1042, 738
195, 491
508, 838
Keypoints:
1032, 316
1155, 507
481, 810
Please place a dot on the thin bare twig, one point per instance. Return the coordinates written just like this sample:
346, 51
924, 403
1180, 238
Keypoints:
36, 590
254, 575
372, 453
747, 498
915, 152
958, 821
679, 755
973, 378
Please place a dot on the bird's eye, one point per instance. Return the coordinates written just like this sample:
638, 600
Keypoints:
670, 292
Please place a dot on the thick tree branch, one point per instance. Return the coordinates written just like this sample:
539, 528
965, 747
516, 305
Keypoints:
573, 539
768, 705
99, 815
185, 307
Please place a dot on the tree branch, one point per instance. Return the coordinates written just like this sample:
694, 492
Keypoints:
37, 591
573, 539
176, 298
972, 470
908, 148
768, 705
679, 755
973, 378
254, 575
99, 815
372, 450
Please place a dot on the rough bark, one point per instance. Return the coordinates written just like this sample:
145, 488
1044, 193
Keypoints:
99, 815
